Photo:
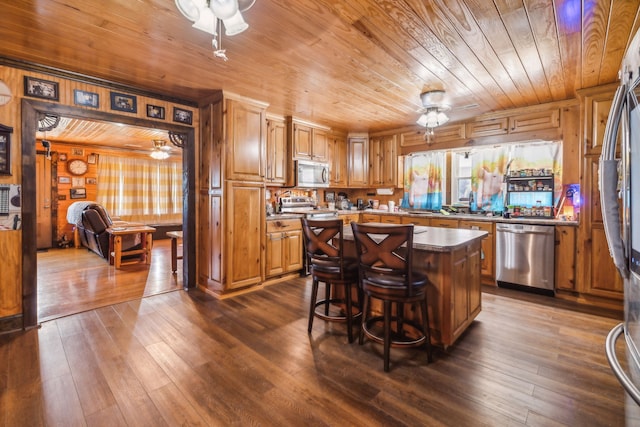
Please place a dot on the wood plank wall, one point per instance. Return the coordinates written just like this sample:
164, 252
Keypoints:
11, 242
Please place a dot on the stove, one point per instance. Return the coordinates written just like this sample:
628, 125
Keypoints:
305, 206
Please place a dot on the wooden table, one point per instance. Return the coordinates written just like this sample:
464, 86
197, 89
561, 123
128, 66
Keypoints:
115, 244
174, 235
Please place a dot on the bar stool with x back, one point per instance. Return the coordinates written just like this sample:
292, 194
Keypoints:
387, 274
324, 249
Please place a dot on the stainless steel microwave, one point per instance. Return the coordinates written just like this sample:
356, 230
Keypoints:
312, 174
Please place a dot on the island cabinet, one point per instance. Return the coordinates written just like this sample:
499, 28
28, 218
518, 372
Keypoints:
358, 161
231, 195
277, 153
338, 160
487, 256
283, 250
450, 258
307, 141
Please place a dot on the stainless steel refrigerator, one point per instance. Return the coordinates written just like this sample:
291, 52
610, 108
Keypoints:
619, 179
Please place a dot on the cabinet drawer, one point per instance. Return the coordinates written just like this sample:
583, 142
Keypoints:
477, 225
283, 225
391, 219
370, 218
416, 221
446, 223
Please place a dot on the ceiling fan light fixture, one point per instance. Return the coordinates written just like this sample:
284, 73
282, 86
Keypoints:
432, 118
160, 149
224, 9
206, 22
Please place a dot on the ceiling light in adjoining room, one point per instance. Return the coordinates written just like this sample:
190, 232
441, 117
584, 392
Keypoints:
432, 118
160, 149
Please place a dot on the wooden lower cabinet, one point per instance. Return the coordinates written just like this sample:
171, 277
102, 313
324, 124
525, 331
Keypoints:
444, 222
416, 221
565, 258
390, 219
347, 219
487, 259
283, 247
370, 218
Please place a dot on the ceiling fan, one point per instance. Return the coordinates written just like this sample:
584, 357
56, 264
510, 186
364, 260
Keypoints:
434, 108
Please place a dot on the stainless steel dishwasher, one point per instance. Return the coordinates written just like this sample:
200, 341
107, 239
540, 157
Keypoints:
525, 256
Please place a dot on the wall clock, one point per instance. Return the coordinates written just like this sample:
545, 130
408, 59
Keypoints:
77, 167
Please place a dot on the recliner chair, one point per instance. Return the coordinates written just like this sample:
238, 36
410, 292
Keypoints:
92, 229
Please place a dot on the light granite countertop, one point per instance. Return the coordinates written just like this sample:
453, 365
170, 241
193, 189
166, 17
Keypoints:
436, 239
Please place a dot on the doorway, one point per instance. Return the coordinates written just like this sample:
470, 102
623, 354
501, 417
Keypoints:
31, 111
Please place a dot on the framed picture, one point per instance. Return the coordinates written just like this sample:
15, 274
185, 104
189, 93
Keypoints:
86, 99
62, 157
77, 181
182, 116
91, 181
5, 149
78, 193
39, 88
122, 102
329, 196
64, 180
155, 111
92, 159
77, 152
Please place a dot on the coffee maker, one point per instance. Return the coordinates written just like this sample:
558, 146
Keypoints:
361, 205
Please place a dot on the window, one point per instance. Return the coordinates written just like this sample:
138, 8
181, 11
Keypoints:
460, 177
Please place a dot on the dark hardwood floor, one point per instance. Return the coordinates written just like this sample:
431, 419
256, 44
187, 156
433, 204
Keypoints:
74, 280
185, 358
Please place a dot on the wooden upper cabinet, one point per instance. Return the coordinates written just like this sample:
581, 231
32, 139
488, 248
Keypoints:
358, 162
383, 162
245, 148
307, 141
338, 168
534, 121
276, 167
488, 127
452, 132
596, 105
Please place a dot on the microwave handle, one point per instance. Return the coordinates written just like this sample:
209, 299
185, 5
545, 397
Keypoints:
608, 183
324, 174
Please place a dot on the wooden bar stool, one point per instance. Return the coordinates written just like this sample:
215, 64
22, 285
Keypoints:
324, 249
385, 261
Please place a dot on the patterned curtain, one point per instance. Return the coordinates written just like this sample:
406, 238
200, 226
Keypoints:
140, 190
424, 174
487, 178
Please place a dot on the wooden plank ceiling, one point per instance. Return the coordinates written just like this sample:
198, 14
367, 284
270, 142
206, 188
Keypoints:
357, 65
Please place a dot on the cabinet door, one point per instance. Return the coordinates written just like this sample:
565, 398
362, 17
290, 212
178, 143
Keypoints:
565, 257
293, 250
302, 142
599, 275
210, 238
276, 169
375, 162
274, 254
319, 150
534, 121
416, 221
245, 151
337, 147
389, 161
597, 105
245, 216
358, 162
487, 261
489, 127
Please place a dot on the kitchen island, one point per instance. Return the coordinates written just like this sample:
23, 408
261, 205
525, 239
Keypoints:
451, 260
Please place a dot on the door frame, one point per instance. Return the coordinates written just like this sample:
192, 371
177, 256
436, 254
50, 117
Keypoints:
31, 109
